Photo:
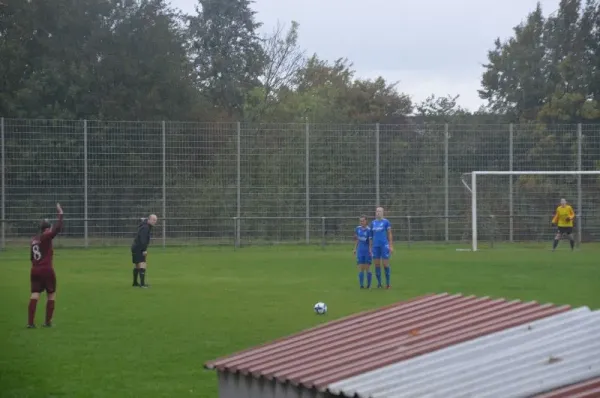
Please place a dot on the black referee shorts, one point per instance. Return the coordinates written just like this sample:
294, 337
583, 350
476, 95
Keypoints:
137, 256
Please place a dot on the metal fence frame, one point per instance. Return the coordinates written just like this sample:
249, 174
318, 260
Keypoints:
307, 217
2, 187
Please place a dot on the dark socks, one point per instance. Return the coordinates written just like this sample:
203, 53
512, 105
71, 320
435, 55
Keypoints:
136, 271
571, 242
49, 311
31, 311
142, 276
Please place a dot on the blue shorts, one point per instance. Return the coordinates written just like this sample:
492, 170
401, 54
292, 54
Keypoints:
363, 258
381, 252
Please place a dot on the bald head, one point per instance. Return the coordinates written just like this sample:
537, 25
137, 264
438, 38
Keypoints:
152, 219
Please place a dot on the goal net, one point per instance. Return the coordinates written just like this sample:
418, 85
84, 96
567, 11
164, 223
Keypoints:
518, 206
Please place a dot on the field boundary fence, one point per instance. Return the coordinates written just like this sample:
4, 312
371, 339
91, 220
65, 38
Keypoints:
264, 183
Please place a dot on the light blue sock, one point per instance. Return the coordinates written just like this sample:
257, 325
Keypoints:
387, 275
361, 278
378, 275
369, 278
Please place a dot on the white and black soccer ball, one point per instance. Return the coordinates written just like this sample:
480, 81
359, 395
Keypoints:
320, 308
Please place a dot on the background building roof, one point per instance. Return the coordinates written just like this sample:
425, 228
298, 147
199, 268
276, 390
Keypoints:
522, 361
585, 389
351, 346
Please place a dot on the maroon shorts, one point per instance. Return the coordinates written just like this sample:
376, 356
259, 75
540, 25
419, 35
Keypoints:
43, 279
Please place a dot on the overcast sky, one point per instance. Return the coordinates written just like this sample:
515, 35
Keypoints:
428, 46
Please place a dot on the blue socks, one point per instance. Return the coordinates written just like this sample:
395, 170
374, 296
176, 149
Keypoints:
387, 275
378, 275
361, 278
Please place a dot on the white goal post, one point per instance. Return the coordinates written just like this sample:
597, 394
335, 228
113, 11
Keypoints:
473, 189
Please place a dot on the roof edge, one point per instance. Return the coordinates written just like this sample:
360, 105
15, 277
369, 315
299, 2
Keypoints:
210, 365
580, 387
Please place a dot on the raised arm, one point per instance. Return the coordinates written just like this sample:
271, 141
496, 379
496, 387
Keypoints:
56, 228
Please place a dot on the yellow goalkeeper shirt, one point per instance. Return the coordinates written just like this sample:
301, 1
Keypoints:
564, 216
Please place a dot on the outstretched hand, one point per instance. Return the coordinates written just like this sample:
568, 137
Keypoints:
59, 209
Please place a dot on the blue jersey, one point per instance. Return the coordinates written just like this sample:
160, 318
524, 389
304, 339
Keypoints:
363, 234
379, 232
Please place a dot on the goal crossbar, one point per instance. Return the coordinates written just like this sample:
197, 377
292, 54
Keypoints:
473, 188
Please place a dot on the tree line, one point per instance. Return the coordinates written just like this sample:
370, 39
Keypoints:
143, 60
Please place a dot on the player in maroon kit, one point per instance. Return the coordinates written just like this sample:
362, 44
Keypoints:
42, 276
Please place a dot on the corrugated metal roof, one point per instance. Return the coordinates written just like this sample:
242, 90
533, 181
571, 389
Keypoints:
585, 389
364, 342
519, 362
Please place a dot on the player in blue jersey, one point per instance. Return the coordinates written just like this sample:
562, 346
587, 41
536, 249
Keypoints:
382, 246
362, 251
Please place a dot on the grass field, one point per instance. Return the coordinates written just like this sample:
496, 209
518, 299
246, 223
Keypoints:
112, 340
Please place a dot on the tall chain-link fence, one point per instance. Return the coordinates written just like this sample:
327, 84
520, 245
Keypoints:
239, 183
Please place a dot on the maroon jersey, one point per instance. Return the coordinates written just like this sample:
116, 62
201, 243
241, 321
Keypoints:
41, 246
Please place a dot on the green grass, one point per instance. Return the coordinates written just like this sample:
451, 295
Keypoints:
112, 340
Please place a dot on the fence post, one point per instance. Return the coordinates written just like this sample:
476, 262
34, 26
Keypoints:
510, 183
493, 235
446, 185
85, 185
579, 191
2, 188
238, 183
236, 242
323, 231
409, 235
164, 184
307, 171
377, 202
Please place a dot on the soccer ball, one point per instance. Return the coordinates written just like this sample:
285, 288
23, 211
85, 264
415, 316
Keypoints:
320, 308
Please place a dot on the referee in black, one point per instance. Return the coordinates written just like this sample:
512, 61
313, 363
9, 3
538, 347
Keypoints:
139, 249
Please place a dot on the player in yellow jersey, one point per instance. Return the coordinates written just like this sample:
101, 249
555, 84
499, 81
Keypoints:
563, 219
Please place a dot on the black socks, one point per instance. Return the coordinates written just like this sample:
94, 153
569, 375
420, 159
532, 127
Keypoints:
142, 272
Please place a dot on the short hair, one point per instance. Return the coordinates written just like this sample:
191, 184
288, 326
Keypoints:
44, 225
